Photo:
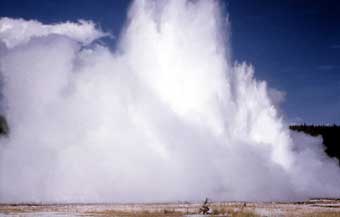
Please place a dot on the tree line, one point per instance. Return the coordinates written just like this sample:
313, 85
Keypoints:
330, 135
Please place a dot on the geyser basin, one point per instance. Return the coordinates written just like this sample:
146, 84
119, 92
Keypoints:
167, 116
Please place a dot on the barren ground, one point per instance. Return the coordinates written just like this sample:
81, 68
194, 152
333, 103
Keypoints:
311, 208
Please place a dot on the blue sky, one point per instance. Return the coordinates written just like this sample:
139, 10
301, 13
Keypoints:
293, 44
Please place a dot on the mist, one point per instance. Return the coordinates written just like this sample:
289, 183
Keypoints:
168, 115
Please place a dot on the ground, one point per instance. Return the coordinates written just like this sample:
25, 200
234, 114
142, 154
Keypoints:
311, 208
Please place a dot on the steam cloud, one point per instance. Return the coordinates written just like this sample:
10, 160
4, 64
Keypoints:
167, 116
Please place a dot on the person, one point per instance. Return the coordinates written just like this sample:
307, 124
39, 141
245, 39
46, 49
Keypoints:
205, 208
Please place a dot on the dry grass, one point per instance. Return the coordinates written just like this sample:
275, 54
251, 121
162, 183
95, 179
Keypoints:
13, 209
241, 214
165, 213
322, 214
229, 209
7, 210
145, 213
244, 214
237, 210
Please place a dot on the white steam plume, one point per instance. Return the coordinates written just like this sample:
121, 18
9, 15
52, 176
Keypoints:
165, 117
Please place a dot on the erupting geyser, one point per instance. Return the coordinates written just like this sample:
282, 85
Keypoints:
167, 116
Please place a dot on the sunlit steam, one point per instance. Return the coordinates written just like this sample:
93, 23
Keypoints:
167, 116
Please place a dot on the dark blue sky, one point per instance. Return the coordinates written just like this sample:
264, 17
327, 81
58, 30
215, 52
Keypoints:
293, 44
